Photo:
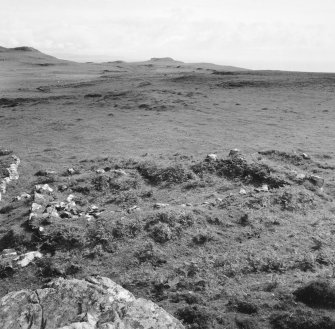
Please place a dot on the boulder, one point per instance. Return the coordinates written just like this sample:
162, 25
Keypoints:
94, 303
316, 180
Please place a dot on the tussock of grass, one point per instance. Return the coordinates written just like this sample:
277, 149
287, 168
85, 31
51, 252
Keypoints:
154, 174
302, 319
238, 168
317, 294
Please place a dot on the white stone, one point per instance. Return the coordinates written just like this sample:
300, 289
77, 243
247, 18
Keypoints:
92, 208
305, 156
70, 198
43, 188
71, 171
35, 207
120, 172
301, 176
160, 205
265, 188
212, 156
25, 259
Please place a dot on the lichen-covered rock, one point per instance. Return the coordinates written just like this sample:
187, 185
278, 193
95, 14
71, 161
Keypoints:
94, 303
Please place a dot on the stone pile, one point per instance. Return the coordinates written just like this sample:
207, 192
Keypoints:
12, 172
44, 208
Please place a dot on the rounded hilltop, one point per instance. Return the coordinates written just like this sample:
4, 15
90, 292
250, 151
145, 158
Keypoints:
22, 48
162, 59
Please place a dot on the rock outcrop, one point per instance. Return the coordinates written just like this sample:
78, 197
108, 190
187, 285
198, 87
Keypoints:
94, 303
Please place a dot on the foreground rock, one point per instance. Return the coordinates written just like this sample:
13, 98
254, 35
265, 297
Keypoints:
94, 303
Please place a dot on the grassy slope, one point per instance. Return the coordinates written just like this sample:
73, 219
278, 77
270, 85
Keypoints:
211, 262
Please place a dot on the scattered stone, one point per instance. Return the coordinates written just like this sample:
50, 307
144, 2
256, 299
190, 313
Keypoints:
132, 209
62, 188
45, 173
8, 253
211, 157
35, 207
243, 191
100, 171
65, 214
263, 188
305, 156
16, 159
316, 180
93, 211
160, 205
70, 198
56, 306
52, 212
301, 177
71, 171
120, 172
92, 208
23, 196
43, 188
234, 152
39, 198
25, 259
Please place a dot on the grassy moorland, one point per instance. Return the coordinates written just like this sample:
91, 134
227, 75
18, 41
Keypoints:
239, 240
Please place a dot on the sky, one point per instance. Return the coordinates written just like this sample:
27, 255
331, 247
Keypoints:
294, 35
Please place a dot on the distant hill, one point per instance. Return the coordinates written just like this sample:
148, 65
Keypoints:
168, 62
28, 55
32, 56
